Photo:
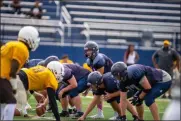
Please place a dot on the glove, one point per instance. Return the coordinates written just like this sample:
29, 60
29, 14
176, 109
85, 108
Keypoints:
14, 84
136, 100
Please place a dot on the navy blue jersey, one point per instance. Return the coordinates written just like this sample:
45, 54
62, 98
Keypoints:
74, 70
32, 63
100, 60
110, 83
136, 73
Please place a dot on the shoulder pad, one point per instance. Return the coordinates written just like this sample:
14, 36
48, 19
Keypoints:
88, 62
99, 58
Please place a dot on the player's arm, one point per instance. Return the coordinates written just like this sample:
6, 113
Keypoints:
52, 99
101, 70
72, 85
86, 91
177, 58
155, 55
90, 107
123, 103
39, 97
13, 71
146, 87
14, 68
111, 95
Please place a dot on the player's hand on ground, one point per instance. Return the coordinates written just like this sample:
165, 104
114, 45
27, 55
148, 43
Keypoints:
81, 118
108, 96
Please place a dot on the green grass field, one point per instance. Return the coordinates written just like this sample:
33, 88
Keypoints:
108, 111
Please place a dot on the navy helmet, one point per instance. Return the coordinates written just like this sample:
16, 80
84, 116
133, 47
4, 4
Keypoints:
91, 45
49, 59
119, 69
95, 78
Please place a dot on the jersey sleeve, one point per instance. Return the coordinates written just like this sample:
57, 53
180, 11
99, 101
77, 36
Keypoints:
99, 62
136, 73
68, 75
20, 54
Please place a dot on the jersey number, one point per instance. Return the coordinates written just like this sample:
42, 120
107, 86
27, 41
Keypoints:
36, 70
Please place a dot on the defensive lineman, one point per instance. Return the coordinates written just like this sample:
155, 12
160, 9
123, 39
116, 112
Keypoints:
14, 54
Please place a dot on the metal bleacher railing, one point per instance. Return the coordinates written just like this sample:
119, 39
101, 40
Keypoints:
78, 24
120, 22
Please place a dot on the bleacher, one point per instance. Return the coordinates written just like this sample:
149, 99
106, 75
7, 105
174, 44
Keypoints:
48, 25
122, 22
108, 22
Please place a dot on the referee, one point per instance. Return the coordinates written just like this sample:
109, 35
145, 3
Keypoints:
164, 59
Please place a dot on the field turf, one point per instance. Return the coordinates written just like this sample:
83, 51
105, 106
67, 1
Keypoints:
108, 111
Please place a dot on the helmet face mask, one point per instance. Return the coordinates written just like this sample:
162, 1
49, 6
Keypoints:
88, 53
57, 69
117, 76
59, 76
91, 49
36, 44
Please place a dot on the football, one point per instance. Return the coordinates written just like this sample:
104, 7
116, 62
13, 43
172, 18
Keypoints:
17, 112
40, 109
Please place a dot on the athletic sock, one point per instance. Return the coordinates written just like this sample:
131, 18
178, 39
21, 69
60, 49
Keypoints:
9, 111
2, 110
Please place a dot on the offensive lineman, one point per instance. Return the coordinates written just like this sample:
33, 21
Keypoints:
150, 81
14, 54
38, 78
74, 81
19, 109
108, 86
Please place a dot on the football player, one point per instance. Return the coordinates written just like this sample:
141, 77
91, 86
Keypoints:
14, 54
19, 111
150, 81
97, 62
36, 79
74, 81
108, 86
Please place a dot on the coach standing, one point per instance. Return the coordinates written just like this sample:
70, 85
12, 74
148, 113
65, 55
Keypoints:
164, 59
